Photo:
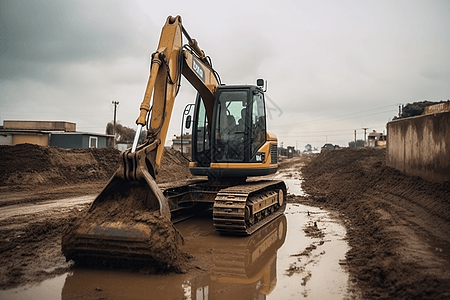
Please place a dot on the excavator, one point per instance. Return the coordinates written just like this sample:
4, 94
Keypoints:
230, 145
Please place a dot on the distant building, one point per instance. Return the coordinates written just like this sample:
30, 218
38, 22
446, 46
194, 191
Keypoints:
289, 152
437, 108
185, 143
376, 139
51, 133
76, 140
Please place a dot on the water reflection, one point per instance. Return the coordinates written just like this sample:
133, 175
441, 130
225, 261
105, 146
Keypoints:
242, 268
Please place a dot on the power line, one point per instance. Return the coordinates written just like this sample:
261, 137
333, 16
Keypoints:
324, 131
349, 114
312, 136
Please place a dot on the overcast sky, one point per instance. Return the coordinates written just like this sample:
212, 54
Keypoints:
332, 67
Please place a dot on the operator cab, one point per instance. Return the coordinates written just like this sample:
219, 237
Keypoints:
236, 132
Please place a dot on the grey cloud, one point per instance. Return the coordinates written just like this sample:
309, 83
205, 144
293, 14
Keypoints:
321, 59
38, 33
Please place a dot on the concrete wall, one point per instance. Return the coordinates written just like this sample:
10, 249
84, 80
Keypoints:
420, 146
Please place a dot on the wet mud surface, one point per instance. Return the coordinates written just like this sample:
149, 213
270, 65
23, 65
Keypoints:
303, 246
396, 246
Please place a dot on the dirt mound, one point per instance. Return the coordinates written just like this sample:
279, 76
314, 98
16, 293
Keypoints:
389, 217
28, 164
173, 167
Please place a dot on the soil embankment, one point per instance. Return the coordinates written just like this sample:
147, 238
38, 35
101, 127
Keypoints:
37, 173
398, 226
28, 164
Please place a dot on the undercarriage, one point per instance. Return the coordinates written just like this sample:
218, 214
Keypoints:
238, 209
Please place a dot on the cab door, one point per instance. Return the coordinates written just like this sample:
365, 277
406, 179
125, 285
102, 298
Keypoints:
201, 136
258, 124
231, 128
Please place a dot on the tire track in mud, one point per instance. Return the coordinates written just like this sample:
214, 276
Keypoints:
420, 238
57, 206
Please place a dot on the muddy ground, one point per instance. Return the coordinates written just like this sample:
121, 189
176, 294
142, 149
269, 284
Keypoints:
398, 226
30, 244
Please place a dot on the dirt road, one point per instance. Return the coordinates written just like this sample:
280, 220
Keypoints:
398, 227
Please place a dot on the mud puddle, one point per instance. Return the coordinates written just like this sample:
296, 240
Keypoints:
293, 180
311, 263
298, 255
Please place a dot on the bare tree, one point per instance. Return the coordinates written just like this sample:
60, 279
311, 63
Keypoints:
124, 134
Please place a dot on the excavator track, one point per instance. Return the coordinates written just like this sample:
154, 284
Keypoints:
243, 209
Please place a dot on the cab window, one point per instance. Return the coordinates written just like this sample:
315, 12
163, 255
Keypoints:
258, 122
230, 126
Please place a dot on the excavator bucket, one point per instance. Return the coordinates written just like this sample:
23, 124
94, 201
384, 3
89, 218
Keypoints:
128, 222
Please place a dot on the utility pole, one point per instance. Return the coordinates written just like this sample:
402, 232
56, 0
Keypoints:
115, 103
365, 128
355, 138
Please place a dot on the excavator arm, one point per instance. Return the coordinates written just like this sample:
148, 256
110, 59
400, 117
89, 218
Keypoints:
121, 220
169, 63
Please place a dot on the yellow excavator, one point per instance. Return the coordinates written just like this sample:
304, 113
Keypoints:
229, 143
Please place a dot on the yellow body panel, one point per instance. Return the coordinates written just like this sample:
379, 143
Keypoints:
253, 165
271, 137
